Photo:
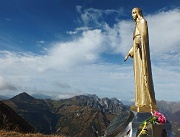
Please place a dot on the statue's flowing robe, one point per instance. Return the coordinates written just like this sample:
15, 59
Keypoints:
145, 96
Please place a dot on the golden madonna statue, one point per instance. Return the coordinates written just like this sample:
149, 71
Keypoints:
145, 96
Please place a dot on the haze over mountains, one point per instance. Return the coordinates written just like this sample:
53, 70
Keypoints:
84, 115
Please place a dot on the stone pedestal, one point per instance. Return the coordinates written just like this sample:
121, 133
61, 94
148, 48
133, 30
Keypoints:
138, 119
155, 130
128, 125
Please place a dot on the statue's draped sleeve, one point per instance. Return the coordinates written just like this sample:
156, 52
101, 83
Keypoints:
131, 52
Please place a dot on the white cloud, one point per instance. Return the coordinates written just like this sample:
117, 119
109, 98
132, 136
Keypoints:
40, 43
164, 34
91, 15
81, 50
63, 96
96, 17
124, 42
5, 85
79, 8
78, 30
77, 66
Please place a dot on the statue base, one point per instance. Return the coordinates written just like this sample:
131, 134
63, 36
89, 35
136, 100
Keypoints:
145, 108
139, 117
131, 127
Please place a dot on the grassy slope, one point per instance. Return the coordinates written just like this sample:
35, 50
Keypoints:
4, 133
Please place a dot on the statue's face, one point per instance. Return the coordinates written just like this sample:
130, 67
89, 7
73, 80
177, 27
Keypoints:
134, 14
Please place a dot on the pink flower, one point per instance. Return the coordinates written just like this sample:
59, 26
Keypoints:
156, 118
161, 118
156, 113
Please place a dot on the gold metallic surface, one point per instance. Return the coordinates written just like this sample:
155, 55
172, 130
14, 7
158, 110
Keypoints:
145, 96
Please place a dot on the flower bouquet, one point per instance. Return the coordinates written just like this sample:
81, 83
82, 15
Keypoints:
156, 118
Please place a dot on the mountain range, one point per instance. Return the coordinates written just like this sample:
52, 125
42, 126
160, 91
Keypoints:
84, 115
79, 116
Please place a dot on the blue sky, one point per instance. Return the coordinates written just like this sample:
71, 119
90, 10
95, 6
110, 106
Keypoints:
64, 48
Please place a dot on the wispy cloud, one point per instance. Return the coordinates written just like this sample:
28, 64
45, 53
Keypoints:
40, 43
92, 17
8, 19
63, 85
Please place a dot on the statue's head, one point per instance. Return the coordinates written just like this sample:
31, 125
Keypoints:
136, 12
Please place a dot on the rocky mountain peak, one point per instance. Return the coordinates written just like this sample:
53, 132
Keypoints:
116, 101
23, 97
112, 105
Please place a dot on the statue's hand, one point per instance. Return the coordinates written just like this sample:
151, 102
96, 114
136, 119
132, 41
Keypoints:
126, 57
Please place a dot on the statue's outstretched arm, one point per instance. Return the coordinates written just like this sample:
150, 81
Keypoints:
130, 54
